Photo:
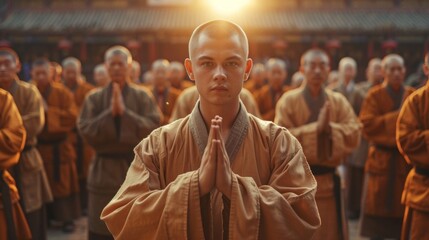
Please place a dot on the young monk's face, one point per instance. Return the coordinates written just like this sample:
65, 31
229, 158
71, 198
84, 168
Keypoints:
219, 66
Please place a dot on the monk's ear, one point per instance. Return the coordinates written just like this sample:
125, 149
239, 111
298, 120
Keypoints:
189, 70
249, 65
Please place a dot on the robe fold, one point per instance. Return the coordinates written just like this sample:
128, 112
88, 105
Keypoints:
324, 151
412, 137
166, 102
57, 151
113, 139
272, 193
13, 224
385, 168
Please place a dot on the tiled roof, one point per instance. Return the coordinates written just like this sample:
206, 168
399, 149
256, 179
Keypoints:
141, 20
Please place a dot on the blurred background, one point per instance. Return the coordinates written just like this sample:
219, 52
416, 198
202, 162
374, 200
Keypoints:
154, 29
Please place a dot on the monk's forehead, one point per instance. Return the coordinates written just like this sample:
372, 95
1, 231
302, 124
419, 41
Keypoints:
231, 42
316, 57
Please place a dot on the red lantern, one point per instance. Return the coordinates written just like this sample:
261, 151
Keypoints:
64, 44
5, 43
333, 44
389, 44
133, 44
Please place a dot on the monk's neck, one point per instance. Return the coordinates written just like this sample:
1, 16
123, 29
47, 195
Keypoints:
228, 113
315, 90
347, 81
71, 84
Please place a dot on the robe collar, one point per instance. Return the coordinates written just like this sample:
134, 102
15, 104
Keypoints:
236, 137
314, 104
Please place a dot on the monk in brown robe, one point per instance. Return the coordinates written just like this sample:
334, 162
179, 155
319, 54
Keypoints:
219, 173
269, 94
412, 138
257, 79
56, 147
101, 76
113, 120
13, 225
29, 173
347, 70
176, 76
385, 168
326, 126
374, 76
189, 97
72, 70
164, 94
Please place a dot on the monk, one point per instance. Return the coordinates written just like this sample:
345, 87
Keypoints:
412, 138
219, 173
297, 80
113, 120
347, 70
324, 123
374, 76
257, 78
268, 95
189, 97
56, 147
135, 72
56, 72
29, 173
13, 225
164, 94
101, 76
176, 76
72, 70
385, 168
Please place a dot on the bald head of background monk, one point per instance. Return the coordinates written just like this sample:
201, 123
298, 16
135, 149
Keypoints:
393, 69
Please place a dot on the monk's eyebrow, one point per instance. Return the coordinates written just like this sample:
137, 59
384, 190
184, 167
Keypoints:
204, 58
233, 58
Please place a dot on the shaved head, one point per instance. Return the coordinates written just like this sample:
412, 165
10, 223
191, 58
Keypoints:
218, 29
389, 59
309, 54
118, 50
5, 51
72, 61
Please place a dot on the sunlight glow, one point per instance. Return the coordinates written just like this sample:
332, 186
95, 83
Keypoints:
228, 6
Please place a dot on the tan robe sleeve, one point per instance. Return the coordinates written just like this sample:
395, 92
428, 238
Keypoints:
62, 119
285, 208
12, 132
249, 102
412, 138
33, 116
141, 208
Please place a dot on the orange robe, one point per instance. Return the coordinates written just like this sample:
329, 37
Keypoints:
166, 102
56, 147
267, 99
84, 152
184, 84
252, 87
12, 140
385, 168
412, 138
272, 194
324, 151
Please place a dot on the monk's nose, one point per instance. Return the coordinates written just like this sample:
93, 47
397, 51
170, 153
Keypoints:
220, 73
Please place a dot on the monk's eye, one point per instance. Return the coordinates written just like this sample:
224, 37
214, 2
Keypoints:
207, 64
232, 64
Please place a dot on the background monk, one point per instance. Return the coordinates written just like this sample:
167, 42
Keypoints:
189, 97
164, 94
55, 145
269, 94
135, 73
412, 137
347, 69
101, 76
257, 78
385, 168
72, 70
13, 225
325, 124
219, 173
113, 120
29, 174
176, 76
